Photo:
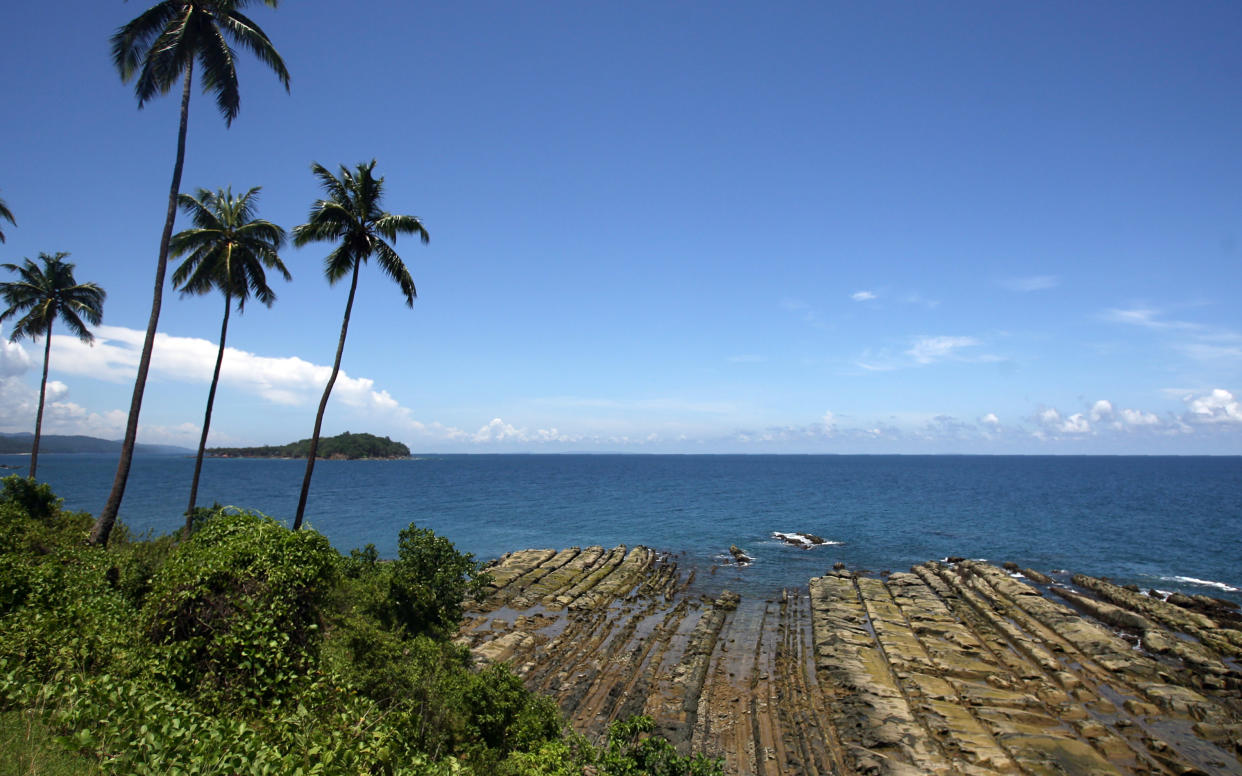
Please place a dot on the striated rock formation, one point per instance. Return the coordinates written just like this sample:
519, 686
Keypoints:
952, 668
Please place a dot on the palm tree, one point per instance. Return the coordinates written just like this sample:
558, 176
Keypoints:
45, 294
227, 251
351, 215
7, 215
159, 48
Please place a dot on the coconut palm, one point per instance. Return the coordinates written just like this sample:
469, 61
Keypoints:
44, 294
7, 215
156, 50
351, 216
227, 251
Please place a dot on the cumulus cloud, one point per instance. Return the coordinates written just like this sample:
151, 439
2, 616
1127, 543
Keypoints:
281, 380
1031, 283
862, 296
926, 350
1101, 410
1219, 406
830, 423
1050, 420
990, 419
499, 431
13, 359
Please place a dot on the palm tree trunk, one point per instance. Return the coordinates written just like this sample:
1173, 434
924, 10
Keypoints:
323, 403
47, 353
211, 399
103, 525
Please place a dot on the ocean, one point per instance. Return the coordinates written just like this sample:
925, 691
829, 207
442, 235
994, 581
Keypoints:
1170, 523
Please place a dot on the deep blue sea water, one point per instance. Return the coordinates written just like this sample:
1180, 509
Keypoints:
1164, 522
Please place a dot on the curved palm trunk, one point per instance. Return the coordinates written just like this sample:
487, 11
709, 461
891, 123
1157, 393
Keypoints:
103, 525
211, 400
323, 403
47, 354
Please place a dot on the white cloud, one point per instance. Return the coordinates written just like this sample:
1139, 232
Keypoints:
1219, 406
1051, 421
1031, 283
13, 359
929, 349
1147, 318
747, 358
862, 296
1134, 418
281, 380
1101, 410
830, 423
499, 431
990, 419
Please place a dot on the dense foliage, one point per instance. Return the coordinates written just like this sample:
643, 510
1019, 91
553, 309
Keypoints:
250, 648
346, 445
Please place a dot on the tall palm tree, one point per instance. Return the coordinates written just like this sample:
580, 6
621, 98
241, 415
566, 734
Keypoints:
7, 215
45, 294
351, 216
159, 48
228, 251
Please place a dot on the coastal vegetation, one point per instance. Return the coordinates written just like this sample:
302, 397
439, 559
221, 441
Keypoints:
42, 295
156, 50
246, 647
344, 445
228, 250
351, 215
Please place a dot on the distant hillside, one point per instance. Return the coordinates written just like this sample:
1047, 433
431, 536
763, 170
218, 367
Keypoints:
344, 446
57, 443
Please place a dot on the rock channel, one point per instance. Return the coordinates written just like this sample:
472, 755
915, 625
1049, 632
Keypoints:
959, 668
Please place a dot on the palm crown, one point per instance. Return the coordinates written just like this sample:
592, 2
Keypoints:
351, 214
160, 44
47, 293
228, 248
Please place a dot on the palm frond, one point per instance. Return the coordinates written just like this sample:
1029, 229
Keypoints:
395, 268
219, 71
248, 34
391, 225
165, 59
131, 42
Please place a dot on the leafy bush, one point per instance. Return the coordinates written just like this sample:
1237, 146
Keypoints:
248, 648
236, 609
429, 581
34, 498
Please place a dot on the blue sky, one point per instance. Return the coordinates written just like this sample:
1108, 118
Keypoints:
691, 227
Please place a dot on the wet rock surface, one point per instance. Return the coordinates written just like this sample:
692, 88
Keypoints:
950, 668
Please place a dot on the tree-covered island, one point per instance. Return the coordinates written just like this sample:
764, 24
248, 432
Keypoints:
344, 446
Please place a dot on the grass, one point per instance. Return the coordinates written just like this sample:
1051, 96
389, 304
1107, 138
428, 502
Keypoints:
28, 748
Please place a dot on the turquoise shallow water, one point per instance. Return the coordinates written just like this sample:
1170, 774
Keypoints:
1164, 522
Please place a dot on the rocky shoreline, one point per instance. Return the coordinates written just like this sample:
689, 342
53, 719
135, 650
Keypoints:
949, 668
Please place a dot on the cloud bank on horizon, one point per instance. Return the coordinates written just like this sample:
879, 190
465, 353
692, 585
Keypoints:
638, 426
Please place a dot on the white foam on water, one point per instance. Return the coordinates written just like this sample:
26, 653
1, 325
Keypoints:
1203, 583
800, 539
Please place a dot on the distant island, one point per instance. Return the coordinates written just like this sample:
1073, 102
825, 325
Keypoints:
344, 446
56, 443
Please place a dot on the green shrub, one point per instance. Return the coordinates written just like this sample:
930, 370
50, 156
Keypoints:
34, 498
235, 610
428, 582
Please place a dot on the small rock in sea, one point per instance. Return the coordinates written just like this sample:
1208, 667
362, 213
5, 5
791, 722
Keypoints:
954, 559
838, 566
1010, 566
741, 557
